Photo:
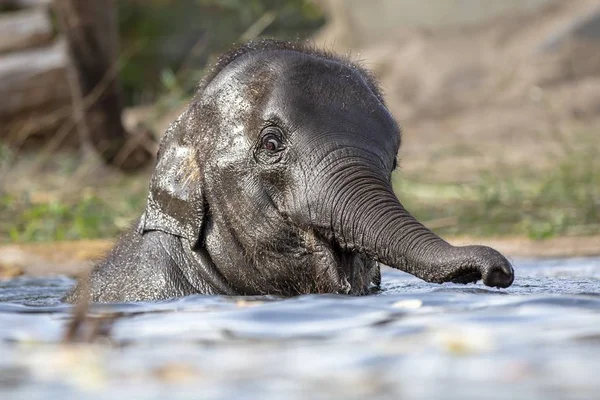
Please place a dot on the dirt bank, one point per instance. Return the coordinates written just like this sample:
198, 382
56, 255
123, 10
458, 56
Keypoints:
76, 257
487, 96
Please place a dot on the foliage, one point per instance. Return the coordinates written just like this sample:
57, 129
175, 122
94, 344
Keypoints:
89, 215
561, 201
178, 38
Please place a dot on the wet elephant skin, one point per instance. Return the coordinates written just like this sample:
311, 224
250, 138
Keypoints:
276, 180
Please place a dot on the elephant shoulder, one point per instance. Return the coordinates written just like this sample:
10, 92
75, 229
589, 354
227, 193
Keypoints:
139, 268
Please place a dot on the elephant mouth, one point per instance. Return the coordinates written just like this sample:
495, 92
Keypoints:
340, 270
361, 274
305, 262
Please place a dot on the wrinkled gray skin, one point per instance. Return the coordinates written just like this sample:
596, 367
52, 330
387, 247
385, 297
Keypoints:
276, 180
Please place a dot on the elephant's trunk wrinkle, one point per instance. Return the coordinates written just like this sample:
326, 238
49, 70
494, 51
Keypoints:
368, 218
309, 187
376, 215
343, 164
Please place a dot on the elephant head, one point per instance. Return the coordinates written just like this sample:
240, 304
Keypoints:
279, 172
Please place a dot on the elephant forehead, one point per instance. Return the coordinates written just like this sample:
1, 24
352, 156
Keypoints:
230, 99
299, 89
330, 93
239, 90
325, 81
333, 106
278, 78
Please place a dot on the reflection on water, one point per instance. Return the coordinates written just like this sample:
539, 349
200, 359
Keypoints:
538, 339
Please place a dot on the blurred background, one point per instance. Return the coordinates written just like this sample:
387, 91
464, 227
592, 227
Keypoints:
499, 103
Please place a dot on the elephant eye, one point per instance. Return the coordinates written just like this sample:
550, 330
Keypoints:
271, 140
271, 144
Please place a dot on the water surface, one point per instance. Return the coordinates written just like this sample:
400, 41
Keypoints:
539, 339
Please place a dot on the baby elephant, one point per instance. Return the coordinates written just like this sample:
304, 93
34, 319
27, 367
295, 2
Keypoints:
276, 180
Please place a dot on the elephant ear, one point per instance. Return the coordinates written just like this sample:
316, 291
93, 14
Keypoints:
175, 202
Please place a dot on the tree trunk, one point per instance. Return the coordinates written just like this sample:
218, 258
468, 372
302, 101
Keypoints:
90, 28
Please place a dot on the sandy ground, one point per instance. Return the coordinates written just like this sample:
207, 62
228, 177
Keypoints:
488, 97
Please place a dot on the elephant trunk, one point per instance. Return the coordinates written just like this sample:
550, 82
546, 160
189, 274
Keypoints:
368, 218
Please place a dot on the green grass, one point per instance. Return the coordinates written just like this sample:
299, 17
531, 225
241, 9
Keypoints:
564, 200
89, 213
87, 217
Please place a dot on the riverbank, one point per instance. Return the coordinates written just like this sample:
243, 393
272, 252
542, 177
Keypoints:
73, 258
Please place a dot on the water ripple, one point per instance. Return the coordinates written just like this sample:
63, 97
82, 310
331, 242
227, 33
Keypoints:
414, 340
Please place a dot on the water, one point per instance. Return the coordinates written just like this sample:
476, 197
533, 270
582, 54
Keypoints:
539, 339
